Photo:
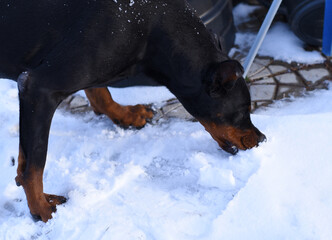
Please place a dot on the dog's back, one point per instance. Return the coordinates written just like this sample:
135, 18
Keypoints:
31, 30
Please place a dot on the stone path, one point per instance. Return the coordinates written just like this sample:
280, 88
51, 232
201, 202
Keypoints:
270, 80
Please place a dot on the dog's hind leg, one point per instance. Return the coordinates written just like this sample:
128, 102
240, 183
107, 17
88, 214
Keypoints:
37, 106
102, 103
21, 166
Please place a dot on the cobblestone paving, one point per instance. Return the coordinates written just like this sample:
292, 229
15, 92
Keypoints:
270, 80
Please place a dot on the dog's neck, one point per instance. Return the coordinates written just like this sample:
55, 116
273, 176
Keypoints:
180, 52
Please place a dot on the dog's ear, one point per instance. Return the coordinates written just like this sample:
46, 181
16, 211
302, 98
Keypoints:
224, 78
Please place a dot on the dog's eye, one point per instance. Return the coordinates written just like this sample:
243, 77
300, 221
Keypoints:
238, 117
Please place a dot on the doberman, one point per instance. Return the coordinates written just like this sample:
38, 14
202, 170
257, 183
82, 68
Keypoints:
55, 48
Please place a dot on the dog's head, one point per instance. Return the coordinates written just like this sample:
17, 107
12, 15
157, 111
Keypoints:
226, 108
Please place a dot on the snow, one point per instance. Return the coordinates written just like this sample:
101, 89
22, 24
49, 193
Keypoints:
170, 180
242, 12
274, 45
280, 42
140, 95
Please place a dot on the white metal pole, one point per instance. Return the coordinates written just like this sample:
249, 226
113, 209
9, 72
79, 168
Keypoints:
261, 35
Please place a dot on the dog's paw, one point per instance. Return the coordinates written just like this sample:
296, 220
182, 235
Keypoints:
135, 116
45, 207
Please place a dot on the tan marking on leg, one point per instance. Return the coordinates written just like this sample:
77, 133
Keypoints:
102, 102
40, 204
21, 166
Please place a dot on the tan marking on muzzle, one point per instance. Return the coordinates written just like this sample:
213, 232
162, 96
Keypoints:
223, 134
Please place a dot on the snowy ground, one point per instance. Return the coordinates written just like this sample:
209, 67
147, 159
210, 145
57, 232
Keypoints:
171, 181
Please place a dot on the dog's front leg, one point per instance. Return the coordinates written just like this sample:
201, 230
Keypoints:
37, 107
125, 116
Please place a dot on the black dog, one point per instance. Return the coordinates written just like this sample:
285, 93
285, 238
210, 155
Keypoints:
54, 48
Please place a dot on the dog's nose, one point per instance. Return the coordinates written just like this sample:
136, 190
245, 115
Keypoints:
262, 138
